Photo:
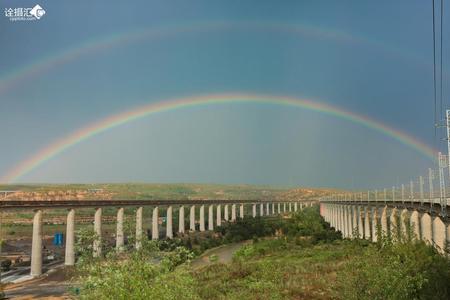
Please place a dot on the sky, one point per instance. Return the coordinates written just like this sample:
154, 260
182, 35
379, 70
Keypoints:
84, 61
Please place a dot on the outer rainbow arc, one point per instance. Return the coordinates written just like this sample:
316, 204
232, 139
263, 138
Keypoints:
215, 99
43, 64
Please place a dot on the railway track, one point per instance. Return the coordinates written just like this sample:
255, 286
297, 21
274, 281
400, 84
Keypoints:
37, 204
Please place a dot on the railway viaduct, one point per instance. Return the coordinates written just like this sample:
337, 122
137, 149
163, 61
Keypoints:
421, 219
218, 211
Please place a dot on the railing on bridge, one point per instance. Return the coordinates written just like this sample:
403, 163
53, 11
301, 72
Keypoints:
416, 192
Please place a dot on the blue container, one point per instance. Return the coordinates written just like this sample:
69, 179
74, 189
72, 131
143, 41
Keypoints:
58, 239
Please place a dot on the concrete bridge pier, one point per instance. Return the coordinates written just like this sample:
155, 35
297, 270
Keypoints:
233, 213
139, 212
290, 207
439, 234
36, 245
219, 215
69, 259
169, 227
267, 209
202, 218
97, 247
367, 223
181, 219
328, 211
355, 228
119, 230
338, 218
211, 217
351, 221
324, 211
404, 219
284, 207
192, 218
393, 224
273, 208
261, 209
426, 228
374, 224
254, 210
384, 221
226, 216
295, 206
345, 228
360, 223
279, 208
241, 211
346, 219
414, 222
331, 214
155, 230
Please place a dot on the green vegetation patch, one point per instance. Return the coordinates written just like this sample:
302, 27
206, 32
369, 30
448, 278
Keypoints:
296, 258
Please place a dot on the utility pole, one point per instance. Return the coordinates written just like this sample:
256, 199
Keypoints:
411, 191
403, 193
393, 194
447, 119
442, 199
421, 190
430, 182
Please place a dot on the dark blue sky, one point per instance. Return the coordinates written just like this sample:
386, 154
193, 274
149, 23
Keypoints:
370, 57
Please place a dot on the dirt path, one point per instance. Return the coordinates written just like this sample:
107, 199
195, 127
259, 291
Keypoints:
52, 285
224, 254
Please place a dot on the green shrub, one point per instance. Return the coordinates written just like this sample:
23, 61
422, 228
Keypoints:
402, 270
308, 222
213, 258
138, 276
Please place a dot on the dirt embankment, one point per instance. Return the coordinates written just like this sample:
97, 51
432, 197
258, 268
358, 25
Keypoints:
303, 193
60, 195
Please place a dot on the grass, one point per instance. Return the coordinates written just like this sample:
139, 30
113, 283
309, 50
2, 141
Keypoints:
276, 270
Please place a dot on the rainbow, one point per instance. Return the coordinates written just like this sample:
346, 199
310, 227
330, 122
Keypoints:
113, 121
98, 44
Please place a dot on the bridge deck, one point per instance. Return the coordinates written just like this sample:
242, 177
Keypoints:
16, 204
